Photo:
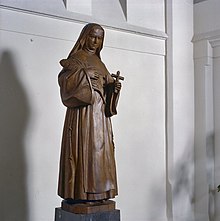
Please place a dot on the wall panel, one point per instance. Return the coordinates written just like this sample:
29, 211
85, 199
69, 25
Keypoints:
31, 47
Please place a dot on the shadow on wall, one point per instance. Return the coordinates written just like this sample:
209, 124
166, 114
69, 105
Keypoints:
14, 114
183, 187
181, 190
210, 170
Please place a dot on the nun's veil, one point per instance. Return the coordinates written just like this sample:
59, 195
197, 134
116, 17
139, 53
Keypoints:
82, 39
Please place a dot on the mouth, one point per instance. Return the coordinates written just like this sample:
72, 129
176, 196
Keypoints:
94, 46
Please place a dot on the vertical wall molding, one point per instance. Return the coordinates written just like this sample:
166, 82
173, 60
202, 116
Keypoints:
169, 106
179, 101
205, 165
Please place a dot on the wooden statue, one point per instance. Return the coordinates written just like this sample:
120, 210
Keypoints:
90, 93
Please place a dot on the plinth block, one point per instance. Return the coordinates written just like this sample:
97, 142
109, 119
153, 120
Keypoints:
62, 215
87, 208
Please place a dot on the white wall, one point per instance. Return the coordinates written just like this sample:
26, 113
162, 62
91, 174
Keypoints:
207, 64
216, 68
146, 11
183, 111
31, 47
206, 15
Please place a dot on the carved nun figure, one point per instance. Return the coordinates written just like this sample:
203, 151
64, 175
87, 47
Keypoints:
90, 93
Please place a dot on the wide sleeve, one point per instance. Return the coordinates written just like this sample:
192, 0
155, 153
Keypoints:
75, 86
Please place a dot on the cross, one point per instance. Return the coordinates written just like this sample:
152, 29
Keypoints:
117, 78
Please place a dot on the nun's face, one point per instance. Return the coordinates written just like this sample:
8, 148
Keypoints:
94, 39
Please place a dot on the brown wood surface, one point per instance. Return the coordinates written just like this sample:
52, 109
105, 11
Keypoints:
87, 208
90, 93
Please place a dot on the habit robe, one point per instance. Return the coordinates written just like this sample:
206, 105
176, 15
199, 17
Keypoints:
87, 163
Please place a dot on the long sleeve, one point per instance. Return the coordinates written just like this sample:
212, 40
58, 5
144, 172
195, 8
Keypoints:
75, 87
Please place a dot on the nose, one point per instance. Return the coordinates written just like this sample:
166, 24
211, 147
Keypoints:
96, 40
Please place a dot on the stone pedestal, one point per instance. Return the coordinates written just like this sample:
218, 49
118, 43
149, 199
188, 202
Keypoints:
62, 215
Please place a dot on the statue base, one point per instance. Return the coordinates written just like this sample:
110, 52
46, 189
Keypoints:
62, 215
87, 208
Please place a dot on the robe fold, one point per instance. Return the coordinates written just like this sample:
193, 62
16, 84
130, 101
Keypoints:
87, 162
